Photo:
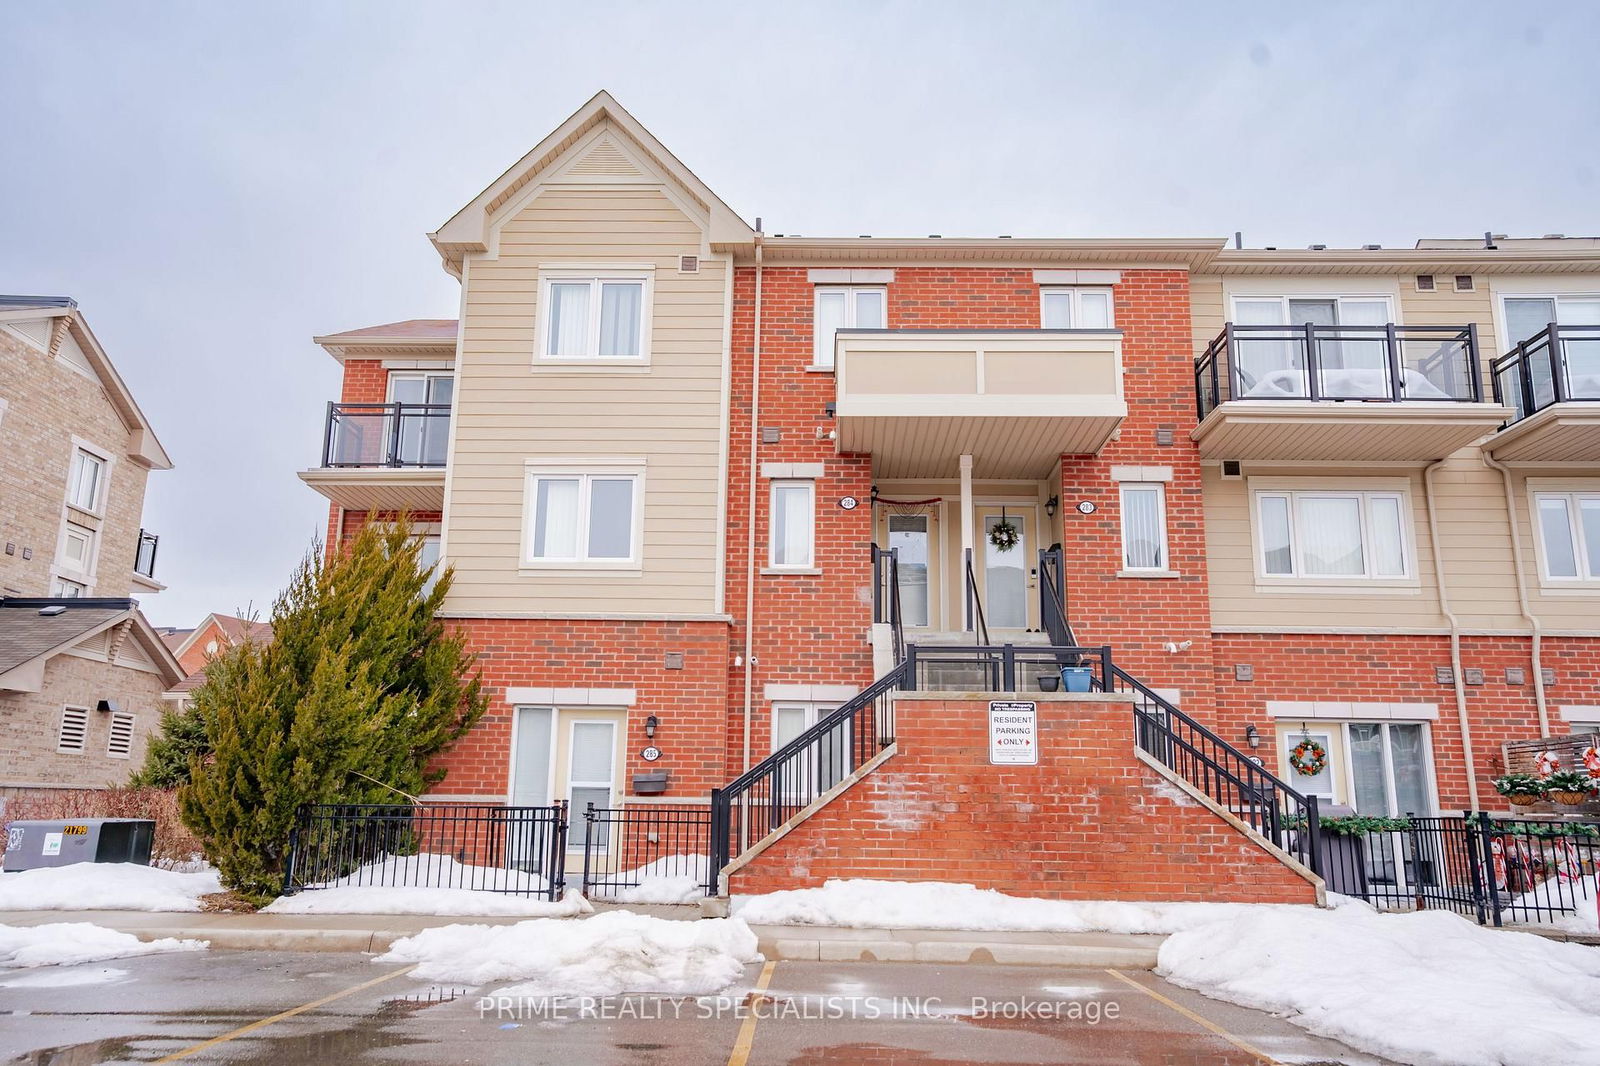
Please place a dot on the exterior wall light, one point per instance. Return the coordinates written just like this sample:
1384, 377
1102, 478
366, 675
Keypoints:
650, 724
1252, 736
1052, 505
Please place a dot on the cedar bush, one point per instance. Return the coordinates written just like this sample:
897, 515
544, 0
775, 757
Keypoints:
358, 692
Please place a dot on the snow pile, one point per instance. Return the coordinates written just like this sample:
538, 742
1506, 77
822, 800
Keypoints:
407, 899
1429, 988
106, 886
1581, 894
1353, 383
672, 879
69, 943
609, 954
865, 904
428, 870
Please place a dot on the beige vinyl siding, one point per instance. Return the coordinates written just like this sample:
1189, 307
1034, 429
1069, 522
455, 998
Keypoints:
1446, 307
1558, 609
1208, 308
510, 411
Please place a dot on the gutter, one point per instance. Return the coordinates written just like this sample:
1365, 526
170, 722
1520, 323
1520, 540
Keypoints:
750, 514
1455, 634
1522, 594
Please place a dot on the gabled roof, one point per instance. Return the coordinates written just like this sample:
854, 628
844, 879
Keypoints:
468, 229
414, 336
29, 638
145, 448
233, 629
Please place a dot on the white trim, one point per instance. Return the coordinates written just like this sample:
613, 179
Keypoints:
82, 715
850, 277
111, 733
1141, 473
612, 786
585, 471
1077, 277
793, 471
1075, 294
445, 364
1580, 713
1336, 710
103, 489
1587, 579
1163, 547
511, 753
810, 693
1291, 489
595, 274
810, 560
850, 292
571, 697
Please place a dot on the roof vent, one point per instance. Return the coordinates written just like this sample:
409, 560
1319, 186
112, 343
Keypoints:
1464, 283
688, 264
1555, 236
1372, 247
1318, 247
935, 236
52, 610
1424, 282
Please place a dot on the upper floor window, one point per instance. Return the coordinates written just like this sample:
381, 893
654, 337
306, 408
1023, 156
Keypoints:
1144, 527
428, 559
1312, 310
792, 524
583, 518
844, 307
1527, 315
1322, 535
77, 549
421, 436
595, 318
1569, 535
68, 590
1074, 308
86, 485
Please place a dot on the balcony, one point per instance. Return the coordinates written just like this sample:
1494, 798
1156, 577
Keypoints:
383, 456
1380, 393
1015, 400
1551, 382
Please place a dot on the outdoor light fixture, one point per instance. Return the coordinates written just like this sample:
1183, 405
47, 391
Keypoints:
1051, 505
650, 724
105, 706
1252, 736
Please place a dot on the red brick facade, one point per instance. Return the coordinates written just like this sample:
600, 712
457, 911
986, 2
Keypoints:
1087, 822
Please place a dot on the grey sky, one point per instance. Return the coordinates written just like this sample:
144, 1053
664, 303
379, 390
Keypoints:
217, 182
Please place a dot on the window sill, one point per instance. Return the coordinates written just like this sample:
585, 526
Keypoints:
1158, 574
819, 370
537, 569
611, 365
1344, 588
1570, 588
78, 514
790, 571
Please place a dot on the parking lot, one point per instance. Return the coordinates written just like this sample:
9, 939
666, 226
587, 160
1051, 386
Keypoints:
319, 1008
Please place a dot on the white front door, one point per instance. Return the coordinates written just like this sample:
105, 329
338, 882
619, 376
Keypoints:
911, 537
1006, 576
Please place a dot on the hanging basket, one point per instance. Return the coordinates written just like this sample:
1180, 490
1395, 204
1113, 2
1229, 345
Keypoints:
1522, 799
1569, 799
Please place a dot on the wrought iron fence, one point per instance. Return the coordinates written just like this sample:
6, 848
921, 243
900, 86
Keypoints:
1006, 668
513, 850
648, 853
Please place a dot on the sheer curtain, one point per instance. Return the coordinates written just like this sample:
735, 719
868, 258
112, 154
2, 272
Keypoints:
1388, 548
1056, 308
1143, 540
829, 319
555, 531
1408, 753
1366, 768
791, 524
1277, 545
620, 307
1555, 528
1330, 536
1094, 310
569, 319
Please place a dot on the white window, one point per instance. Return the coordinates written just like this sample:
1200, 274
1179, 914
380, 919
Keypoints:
591, 769
1073, 308
77, 549
1528, 315
844, 307
74, 733
820, 765
1569, 535
64, 589
1144, 527
119, 743
86, 486
595, 318
1382, 769
1332, 535
428, 560
792, 524
422, 437
583, 518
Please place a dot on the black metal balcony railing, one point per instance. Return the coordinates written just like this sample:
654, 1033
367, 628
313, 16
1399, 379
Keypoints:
1387, 363
144, 558
386, 434
1557, 364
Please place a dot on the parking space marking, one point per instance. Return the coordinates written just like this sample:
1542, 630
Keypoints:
1199, 1020
747, 1031
281, 1015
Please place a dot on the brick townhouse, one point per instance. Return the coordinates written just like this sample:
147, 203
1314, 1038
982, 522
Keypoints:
81, 669
702, 485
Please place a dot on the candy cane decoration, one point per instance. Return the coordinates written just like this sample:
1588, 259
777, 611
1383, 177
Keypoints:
1591, 760
1548, 763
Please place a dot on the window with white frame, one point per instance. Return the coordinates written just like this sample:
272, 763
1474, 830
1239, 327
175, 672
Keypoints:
428, 560
87, 483
1322, 535
844, 307
73, 736
591, 768
1529, 314
77, 548
598, 318
1064, 307
1569, 535
119, 741
1144, 526
820, 765
583, 518
66, 589
792, 525
1382, 769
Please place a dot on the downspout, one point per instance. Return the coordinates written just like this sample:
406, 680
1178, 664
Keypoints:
1455, 634
750, 516
1522, 594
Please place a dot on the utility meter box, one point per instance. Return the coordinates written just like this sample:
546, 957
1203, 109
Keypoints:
34, 845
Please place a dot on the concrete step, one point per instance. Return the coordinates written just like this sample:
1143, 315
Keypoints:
996, 637
806, 943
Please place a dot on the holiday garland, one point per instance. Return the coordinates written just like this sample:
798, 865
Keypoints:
1004, 535
1308, 758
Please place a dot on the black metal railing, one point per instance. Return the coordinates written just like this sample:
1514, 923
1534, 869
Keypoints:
386, 434
1053, 598
778, 787
974, 622
1234, 780
1557, 364
144, 556
648, 853
886, 596
513, 850
1387, 363
1005, 668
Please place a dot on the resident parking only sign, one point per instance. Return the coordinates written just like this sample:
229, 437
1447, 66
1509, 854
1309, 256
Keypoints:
1013, 733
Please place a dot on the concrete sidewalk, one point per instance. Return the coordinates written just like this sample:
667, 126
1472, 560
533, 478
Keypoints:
375, 932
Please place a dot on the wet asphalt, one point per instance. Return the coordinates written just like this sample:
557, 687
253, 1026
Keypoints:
168, 1007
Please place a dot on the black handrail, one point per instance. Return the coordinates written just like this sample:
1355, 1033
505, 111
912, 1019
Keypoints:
1005, 666
886, 596
1053, 599
385, 434
772, 791
974, 620
1242, 786
1301, 358
1538, 373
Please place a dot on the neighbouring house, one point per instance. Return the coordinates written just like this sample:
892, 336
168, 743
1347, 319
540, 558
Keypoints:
81, 669
194, 648
719, 500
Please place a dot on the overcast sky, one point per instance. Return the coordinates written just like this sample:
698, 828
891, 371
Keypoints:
218, 182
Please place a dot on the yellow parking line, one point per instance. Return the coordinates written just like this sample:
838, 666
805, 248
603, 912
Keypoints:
290, 1013
1197, 1019
747, 1031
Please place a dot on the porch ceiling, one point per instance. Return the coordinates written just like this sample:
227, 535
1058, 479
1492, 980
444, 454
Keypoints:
382, 489
1344, 432
1562, 433
1001, 446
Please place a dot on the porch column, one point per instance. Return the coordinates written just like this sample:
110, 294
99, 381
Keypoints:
967, 540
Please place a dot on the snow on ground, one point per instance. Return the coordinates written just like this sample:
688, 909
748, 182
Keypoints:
865, 904
671, 879
1580, 893
428, 869
69, 943
404, 899
65, 977
609, 954
1429, 988
105, 886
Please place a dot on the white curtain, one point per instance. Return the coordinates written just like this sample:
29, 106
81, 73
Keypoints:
829, 318
1589, 522
1366, 767
869, 309
1388, 545
1056, 307
1143, 539
610, 518
791, 525
1094, 310
1277, 547
621, 303
555, 533
1555, 527
1330, 535
1406, 752
569, 319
